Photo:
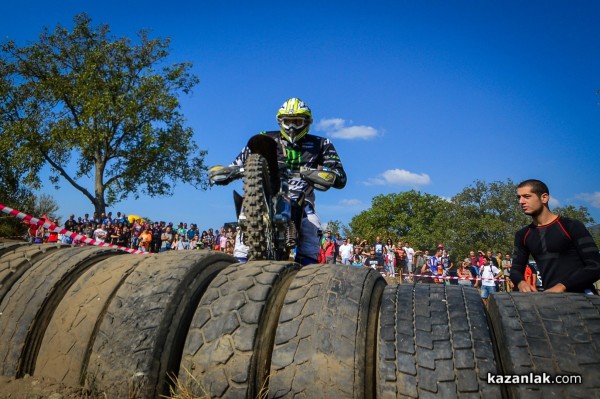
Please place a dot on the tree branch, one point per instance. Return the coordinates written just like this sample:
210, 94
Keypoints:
64, 174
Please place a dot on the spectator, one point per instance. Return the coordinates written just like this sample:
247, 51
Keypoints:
156, 242
240, 250
193, 243
357, 261
346, 252
389, 251
136, 230
329, 248
463, 273
400, 259
145, 239
410, 255
473, 258
71, 223
436, 260
222, 241
165, 239
379, 248
488, 274
193, 231
439, 277
39, 233
506, 265
373, 261
358, 250
100, 234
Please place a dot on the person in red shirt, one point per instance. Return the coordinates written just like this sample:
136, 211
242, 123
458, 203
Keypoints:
52, 235
329, 248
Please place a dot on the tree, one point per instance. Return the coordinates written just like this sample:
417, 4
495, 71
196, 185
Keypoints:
580, 213
337, 227
91, 105
412, 215
487, 216
13, 193
45, 204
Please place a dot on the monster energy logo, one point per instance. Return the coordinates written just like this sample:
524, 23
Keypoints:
293, 158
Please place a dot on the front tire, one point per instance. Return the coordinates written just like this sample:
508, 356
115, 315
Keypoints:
258, 226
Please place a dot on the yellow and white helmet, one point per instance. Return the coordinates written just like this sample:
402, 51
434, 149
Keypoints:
294, 119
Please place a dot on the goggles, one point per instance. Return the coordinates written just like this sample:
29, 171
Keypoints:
292, 122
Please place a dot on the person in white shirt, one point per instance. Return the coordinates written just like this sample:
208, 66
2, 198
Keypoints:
100, 233
488, 273
240, 250
346, 252
410, 255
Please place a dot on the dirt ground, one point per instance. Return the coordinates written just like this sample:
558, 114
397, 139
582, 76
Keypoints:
36, 388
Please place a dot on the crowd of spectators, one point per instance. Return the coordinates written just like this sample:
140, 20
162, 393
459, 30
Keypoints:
138, 234
402, 261
396, 260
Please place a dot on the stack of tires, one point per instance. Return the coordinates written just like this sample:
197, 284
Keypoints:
150, 325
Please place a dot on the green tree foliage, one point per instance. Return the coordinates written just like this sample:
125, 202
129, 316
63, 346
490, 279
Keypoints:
100, 108
417, 217
483, 216
580, 213
486, 216
46, 205
13, 194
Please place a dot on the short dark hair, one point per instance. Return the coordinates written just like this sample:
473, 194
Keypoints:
538, 187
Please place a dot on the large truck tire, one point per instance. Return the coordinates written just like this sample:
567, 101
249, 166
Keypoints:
30, 303
138, 348
64, 352
228, 349
16, 258
434, 342
11, 246
325, 344
553, 333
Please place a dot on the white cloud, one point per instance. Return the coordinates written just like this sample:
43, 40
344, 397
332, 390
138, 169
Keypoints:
351, 202
592, 198
399, 177
336, 128
327, 125
553, 202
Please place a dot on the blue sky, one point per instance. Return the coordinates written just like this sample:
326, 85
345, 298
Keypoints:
427, 95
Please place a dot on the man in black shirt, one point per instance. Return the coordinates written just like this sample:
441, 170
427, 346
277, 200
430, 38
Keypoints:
563, 248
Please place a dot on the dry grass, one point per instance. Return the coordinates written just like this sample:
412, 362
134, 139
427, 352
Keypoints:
190, 388
186, 388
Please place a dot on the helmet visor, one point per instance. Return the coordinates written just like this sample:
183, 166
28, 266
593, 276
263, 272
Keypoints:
292, 122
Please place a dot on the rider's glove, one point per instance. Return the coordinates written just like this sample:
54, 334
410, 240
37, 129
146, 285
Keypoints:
222, 175
322, 180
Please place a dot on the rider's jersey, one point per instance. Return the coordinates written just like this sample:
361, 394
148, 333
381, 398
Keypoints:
311, 152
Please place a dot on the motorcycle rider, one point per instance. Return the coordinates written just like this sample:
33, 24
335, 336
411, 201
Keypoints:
296, 149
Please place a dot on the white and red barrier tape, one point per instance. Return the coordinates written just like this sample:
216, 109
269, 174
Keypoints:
452, 278
56, 229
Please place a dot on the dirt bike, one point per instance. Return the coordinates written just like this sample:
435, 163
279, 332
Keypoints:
268, 218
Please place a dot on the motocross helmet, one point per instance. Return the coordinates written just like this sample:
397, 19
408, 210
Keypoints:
294, 119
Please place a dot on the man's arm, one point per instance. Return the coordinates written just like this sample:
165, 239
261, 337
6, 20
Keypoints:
333, 163
588, 252
520, 260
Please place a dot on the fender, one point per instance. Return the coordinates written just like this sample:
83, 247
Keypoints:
267, 147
